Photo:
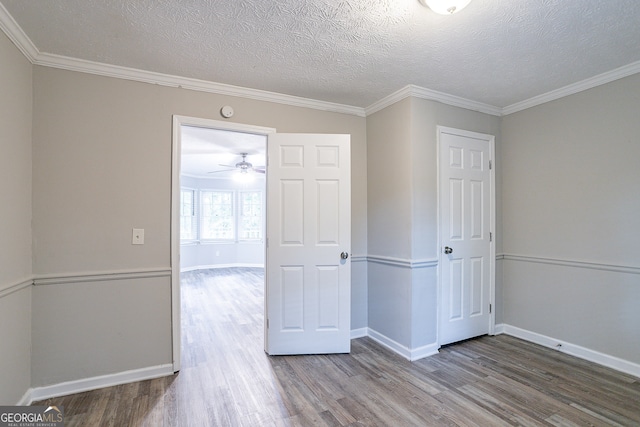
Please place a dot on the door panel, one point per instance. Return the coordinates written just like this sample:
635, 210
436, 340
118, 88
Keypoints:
292, 293
308, 299
465, 225
292, 212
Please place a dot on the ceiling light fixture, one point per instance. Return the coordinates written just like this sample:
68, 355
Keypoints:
445, 7
243, 176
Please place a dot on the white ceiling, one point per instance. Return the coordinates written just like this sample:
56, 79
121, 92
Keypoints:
351, 52
205, 150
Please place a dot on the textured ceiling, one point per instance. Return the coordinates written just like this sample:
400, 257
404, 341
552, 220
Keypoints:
352, 52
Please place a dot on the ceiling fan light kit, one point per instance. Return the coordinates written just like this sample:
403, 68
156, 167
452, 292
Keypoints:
445, 7
243, 167
243, 176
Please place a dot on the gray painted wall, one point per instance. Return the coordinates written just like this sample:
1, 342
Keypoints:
15, 222
88, 158
425, 117
102, 156
389, 165
87, 329
571, 192
403, 211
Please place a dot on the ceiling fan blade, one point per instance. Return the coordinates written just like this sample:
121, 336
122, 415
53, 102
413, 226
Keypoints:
228, 166
259, 170
229, 170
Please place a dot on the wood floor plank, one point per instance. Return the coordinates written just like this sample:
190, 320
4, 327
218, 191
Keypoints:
500, 408
228, 380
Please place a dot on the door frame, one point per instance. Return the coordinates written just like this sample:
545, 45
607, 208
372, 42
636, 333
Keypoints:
490, 139
176, 156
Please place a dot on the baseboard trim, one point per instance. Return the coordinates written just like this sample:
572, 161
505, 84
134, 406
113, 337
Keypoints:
572, 349
409, 354
387, 342
358, 333
25, 400
86, 384
214, 266
498, 329
424, 351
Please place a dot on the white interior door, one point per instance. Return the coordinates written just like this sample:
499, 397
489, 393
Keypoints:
466, 221
308, 298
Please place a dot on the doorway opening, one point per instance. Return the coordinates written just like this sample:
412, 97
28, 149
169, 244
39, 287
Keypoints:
218, 203
222, 199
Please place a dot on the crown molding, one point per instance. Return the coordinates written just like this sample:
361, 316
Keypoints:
432, 95
29, 50
15, 33
11, 28
590, 83
388, 100
84, 66
455, 101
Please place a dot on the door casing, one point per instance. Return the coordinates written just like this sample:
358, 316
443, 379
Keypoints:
490, 139
178, 122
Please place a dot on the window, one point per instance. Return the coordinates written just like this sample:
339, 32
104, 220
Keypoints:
250, 217
217, 220
188, 223
212, 215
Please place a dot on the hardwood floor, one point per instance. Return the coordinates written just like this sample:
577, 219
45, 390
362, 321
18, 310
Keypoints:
227, 380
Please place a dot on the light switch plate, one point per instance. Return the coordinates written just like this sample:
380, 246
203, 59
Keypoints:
137, 237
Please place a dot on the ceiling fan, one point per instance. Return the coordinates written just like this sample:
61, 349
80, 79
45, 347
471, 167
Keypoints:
242, 166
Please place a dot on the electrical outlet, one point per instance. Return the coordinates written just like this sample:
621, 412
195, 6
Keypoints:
137, 237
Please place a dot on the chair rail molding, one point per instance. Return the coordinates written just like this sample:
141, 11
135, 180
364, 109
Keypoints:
100, 276
15, 286
403, 262
573, 263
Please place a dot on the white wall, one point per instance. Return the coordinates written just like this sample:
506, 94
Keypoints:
15, 222
205, 254
102, 156
195, 256
571, 208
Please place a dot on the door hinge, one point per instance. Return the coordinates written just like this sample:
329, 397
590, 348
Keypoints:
489, 308
490, 236
489, 164
267, 323
267, 242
